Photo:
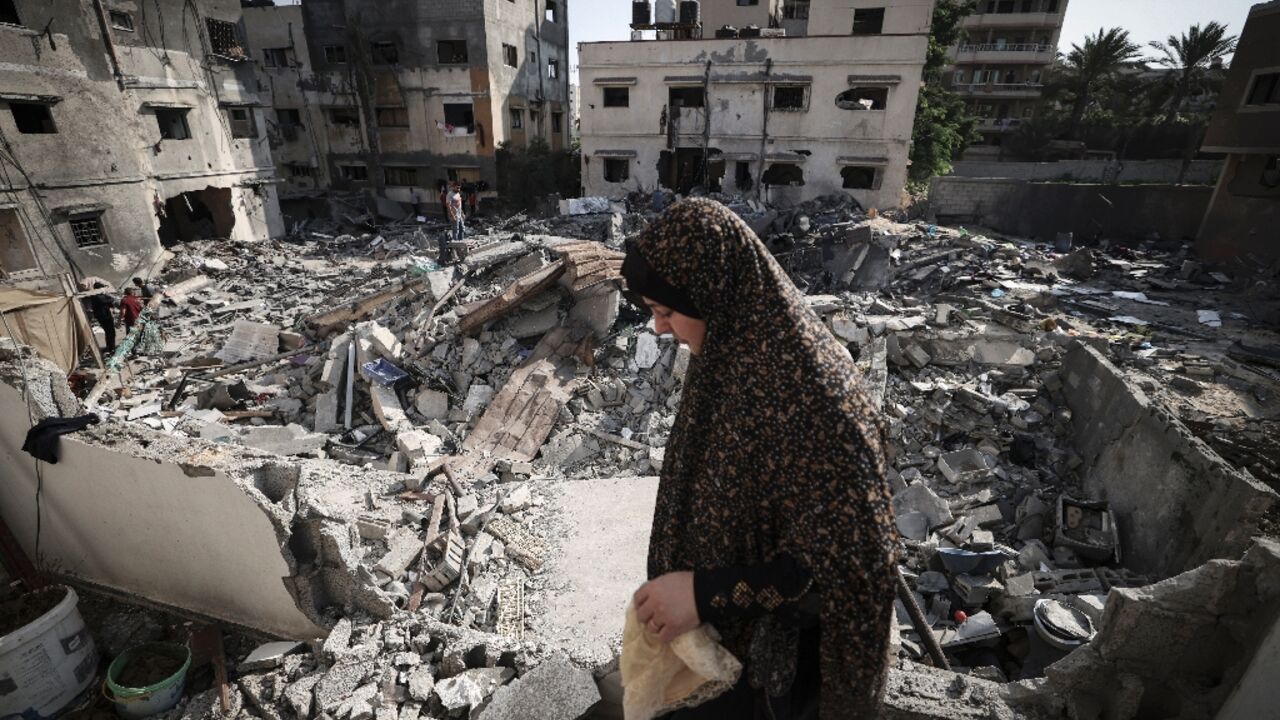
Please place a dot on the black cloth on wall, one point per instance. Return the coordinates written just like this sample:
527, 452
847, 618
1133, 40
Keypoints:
42, 439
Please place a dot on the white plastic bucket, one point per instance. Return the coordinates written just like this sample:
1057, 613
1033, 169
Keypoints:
48, 665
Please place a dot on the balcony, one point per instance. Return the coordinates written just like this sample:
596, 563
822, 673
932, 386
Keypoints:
1011, 91
998, 125
994, 53
1011, 20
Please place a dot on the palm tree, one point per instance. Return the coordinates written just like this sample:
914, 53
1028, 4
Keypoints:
1191, 56
1090, 66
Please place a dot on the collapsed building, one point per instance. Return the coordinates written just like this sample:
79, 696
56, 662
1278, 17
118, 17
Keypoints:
341, 440
394, 98
126, 132
779, 114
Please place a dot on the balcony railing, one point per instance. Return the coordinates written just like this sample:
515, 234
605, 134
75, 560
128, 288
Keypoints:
999, 88
1007, 47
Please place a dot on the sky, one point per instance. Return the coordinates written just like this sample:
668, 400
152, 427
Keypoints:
1146, 20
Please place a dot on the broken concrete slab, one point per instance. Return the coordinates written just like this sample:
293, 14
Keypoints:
432, 404
555, 690
291, 439
647, 351
920, 499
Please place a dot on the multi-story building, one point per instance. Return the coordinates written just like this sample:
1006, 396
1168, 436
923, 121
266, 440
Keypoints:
1245, 209
397, 96
784, 117
1000, 63
126, 128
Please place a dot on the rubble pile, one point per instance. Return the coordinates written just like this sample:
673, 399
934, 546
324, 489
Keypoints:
470, 385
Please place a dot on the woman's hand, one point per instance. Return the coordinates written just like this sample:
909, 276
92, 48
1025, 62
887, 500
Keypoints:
666, 607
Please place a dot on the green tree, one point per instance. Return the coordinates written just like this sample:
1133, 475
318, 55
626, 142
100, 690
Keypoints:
1191, 56
1092, 67
943, 125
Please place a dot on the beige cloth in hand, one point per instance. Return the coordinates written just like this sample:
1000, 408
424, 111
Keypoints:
658, 678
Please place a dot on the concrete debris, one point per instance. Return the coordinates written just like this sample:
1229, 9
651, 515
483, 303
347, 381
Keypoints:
555, 690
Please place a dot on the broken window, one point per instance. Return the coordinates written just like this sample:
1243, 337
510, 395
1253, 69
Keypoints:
617, 170
243, 124
344, 116
689, 97
224, 40
553, 69
552, 11
354, 173
790, 97
384, 53
15, 249
335, 54
868, 21
783, 174
1052, 6
9, 13
858, 177
275, 57
617, 97
1265, 90
533, 58
863, 98
742, 175
748, 3
297, 170
510, 55
86, 229
33, 118
121, 20
451, 52
557, 122
393, 117
459, 115
517, 118
795, 9
173, 123
400, 176
289, 117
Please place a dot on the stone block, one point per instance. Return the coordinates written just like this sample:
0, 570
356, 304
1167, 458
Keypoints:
919, 498
647, 351
291, 439
386, 407
478, 397
555, 690
432, 404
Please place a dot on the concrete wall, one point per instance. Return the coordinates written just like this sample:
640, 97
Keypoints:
1237, 127
1041, 210
1243, 216
106, 155
1200, 172
1178, 503
822, 138
835, 17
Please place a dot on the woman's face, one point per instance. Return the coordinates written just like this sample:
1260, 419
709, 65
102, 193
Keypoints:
685, 329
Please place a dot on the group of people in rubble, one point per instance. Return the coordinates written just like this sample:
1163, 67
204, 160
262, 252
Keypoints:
104, 303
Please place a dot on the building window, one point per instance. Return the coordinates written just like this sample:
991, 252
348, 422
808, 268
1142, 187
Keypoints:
1265, 90
15, 249
959, 78
87, 230
451, 52
517, 118
748, 3
9, 13
868, 21
344, 116
617, 97
535, 117
863, 98
354, 173
510, 55
33, 118
1052, 7
1027, 5
335, 54
173, 123
242, 122
617, 170
557, 122
795, 9
393, 117
121, 20
686, 97
1270, 177
275, 57
553, 69
289, 117
742, 175
224, 40
858, 177
783, 174
459, 116
400, 176
384, 53
553, 11
299, 171
790, 97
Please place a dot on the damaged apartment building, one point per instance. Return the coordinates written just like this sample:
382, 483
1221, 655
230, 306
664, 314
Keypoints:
396, 97
127, 126
779, 101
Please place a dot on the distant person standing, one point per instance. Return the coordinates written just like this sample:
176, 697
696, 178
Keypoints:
100, 306
130, 309
145, 290
453, 210
472, 195
444, 197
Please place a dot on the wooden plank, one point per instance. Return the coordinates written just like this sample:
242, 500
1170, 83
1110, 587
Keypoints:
515, 295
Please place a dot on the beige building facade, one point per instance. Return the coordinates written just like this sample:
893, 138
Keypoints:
783, 119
